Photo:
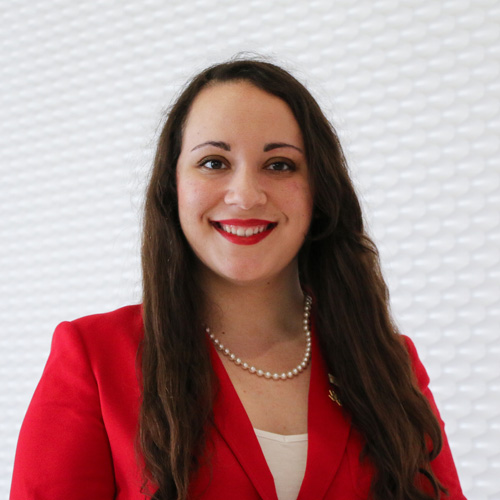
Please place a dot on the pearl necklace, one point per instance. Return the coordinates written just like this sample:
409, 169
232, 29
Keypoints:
268, 375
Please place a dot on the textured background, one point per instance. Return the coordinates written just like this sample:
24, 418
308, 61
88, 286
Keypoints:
412, 86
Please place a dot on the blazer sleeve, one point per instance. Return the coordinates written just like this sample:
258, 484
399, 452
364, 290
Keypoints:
443, 465
63, 450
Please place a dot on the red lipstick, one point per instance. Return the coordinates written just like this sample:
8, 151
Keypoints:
227, 228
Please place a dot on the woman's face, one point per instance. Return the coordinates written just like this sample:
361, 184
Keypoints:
245, 203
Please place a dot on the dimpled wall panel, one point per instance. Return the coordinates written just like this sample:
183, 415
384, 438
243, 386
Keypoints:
413, 88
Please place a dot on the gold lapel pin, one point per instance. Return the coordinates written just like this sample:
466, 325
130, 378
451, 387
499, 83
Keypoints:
331, 393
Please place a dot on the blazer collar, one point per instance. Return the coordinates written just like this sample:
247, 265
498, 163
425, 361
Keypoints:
328, 427
328, 431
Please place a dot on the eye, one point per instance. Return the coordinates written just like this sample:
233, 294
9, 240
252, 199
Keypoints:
281, 166
212, 164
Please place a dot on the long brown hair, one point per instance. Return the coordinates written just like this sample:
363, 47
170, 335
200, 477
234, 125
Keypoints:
338, 262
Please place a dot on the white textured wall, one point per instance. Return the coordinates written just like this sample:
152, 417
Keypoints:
413, 87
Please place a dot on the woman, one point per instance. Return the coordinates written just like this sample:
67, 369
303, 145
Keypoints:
245, 389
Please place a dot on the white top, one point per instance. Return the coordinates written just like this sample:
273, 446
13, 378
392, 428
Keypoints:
286, 457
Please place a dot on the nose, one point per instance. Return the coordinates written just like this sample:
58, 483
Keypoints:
244, 190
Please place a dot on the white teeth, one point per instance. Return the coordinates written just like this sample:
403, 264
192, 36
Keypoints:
243, 231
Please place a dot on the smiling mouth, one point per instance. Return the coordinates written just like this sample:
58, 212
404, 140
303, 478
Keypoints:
244, 232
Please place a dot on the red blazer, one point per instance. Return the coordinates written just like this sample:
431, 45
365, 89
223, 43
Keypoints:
77, 440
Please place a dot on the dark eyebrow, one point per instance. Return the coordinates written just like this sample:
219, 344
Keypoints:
276, 145
218, 144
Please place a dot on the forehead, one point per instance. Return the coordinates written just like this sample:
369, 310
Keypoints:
239, 110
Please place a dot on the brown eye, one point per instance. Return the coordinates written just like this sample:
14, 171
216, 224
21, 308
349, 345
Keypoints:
281, 166
213, 164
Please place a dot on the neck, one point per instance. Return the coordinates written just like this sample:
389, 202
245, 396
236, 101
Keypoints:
255, 314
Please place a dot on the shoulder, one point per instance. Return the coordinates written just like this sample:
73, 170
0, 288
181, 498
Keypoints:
103, 337
83, 415
126, 320
417, 366
125, 316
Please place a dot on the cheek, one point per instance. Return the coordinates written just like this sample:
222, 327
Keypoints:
190, 197
298, 199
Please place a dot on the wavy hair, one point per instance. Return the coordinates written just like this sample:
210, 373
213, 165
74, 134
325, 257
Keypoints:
338, 262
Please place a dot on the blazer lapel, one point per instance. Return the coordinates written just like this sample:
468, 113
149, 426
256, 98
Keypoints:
235, 427
328, 432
